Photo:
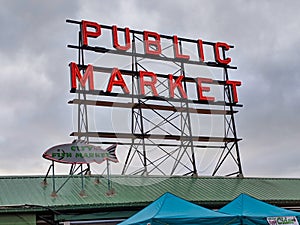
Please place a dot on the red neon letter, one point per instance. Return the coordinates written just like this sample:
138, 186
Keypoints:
217, 53
119, 82
200, 50
177, 84
86, 33
233, 88
152, 47
201, 89
176, 50
151, 83
88, 75
115, 39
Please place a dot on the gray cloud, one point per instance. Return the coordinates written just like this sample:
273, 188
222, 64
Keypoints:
34, 82
35, 75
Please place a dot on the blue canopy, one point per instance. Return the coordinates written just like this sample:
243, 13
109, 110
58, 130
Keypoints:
170, 209
253, 211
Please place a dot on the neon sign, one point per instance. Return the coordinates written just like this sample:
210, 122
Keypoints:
170, 81
152, 49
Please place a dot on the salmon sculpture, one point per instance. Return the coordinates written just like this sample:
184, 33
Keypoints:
80, 152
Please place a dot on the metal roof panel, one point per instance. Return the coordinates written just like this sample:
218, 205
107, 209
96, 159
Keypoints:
25, 193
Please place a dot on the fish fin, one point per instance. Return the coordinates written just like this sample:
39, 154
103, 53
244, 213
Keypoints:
112, 153
78, 141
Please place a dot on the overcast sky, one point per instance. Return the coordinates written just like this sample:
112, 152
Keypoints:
35, 79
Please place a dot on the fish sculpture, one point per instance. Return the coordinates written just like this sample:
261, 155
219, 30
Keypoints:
80, 152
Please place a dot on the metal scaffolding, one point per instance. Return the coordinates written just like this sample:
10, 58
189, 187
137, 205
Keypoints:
162, 139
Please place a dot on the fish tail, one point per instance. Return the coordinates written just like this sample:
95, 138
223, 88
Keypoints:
112, 153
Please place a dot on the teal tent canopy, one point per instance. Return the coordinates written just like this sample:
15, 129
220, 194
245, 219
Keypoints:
252, 211
170, 209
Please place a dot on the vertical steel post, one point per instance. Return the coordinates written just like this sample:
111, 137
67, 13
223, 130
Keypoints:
53, 194
188, 118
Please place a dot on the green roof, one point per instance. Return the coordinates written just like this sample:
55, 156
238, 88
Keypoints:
28, 194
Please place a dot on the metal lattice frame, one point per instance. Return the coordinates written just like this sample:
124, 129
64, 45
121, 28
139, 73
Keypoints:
138, 148
230, 150
174, 150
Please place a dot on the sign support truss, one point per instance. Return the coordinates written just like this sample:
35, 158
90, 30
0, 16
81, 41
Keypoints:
161, 141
